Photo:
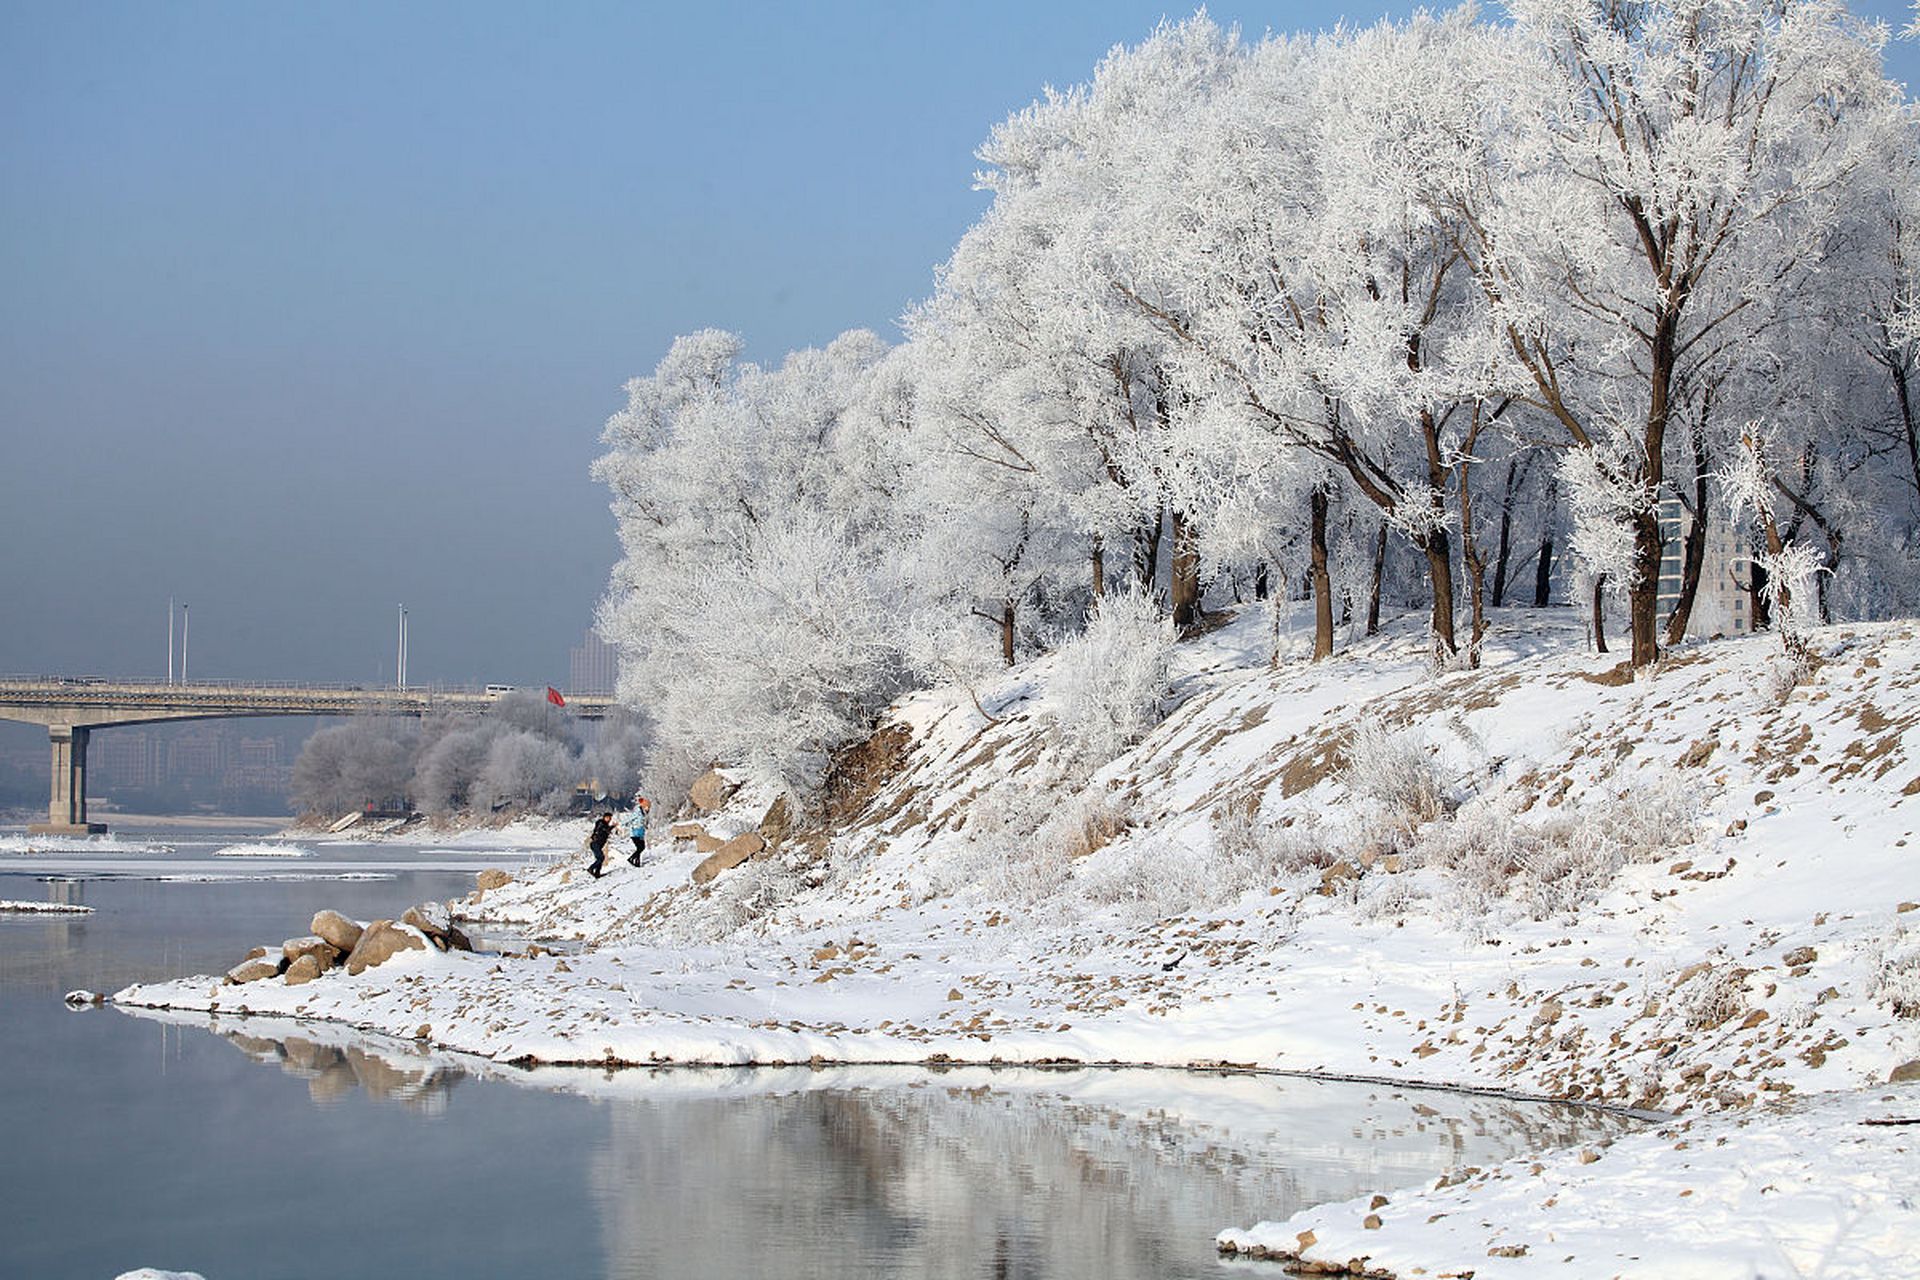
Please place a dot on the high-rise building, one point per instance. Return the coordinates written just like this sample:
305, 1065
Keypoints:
1720, 605
197, 755
124, 757
595, 666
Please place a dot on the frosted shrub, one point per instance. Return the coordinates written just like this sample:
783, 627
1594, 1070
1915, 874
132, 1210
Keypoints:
1896, 974
1713, 998
739, 898
1254, 853
1015, 844
1151, 879
1086, 822
1394, 770
1110, 681
1557, 864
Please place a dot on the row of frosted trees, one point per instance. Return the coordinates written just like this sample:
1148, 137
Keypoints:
1244, 316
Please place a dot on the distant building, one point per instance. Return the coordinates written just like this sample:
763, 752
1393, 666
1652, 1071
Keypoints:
1721, 606
256, 753
595, 666
198, 755
125, 758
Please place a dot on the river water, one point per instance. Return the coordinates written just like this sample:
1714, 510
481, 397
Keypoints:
260, 1148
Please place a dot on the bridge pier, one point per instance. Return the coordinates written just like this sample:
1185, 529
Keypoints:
67, 810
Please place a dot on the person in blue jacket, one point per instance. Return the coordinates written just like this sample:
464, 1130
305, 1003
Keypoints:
637, 827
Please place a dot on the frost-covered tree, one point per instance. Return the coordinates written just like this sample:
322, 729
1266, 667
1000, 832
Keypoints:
1668, 197
755, 606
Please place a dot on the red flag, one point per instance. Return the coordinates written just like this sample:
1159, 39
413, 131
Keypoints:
553, 696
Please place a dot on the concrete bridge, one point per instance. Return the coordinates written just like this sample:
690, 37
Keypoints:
73, 707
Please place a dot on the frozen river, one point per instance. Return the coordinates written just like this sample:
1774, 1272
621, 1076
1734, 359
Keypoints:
276, 1149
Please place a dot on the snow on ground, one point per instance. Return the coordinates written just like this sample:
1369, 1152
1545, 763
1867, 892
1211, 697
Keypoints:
261, 849
109, 843
53, 908
1823, 1189
1693, 891
519, 838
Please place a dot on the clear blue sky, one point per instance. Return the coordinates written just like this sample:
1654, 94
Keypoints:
309, 309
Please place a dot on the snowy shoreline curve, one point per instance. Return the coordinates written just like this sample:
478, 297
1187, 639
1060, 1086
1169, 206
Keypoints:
1678, 893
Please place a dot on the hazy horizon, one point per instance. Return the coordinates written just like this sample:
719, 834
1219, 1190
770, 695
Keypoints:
315, 311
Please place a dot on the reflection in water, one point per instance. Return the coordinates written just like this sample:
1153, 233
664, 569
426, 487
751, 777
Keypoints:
332, 1071
965, 1172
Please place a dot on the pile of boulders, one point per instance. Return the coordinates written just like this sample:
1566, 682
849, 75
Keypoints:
710, 792
339, 943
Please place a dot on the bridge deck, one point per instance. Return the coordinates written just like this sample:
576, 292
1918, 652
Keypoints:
73, 707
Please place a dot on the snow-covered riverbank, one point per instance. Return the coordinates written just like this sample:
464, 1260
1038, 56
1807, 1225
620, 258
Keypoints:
1693, 892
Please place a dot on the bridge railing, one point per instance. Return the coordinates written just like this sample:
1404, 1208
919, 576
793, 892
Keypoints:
124, 682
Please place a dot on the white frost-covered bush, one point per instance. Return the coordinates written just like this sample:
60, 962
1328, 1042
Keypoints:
1110, 681
1558, 863
1395, 771
1896, 974
1152, 878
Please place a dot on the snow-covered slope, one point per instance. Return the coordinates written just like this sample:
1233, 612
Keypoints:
1693, 891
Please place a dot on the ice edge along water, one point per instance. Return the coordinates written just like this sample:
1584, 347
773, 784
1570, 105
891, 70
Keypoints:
1751, 950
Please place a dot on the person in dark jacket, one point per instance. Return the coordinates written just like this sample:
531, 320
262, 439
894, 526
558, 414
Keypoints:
602, 828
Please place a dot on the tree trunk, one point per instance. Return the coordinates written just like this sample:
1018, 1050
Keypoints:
1475, 563
1643, 596
1322, 584
1693, 562
1184, 576
1006, 631
1260, 581
1146, 552
1099, 567
1439, 553
1379, 572
1543, 568
1438, 549
1501, 557
1599, 614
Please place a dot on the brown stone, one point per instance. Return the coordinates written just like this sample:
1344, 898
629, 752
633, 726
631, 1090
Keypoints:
705, 843
1371, 1222
776, 822
710, 790
1905, 1073
686, 831
432, 919
493, 878
324, 953
726, 858
1799, 956
380, 942
305, 969
1331, 878
253, 970
336, 929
